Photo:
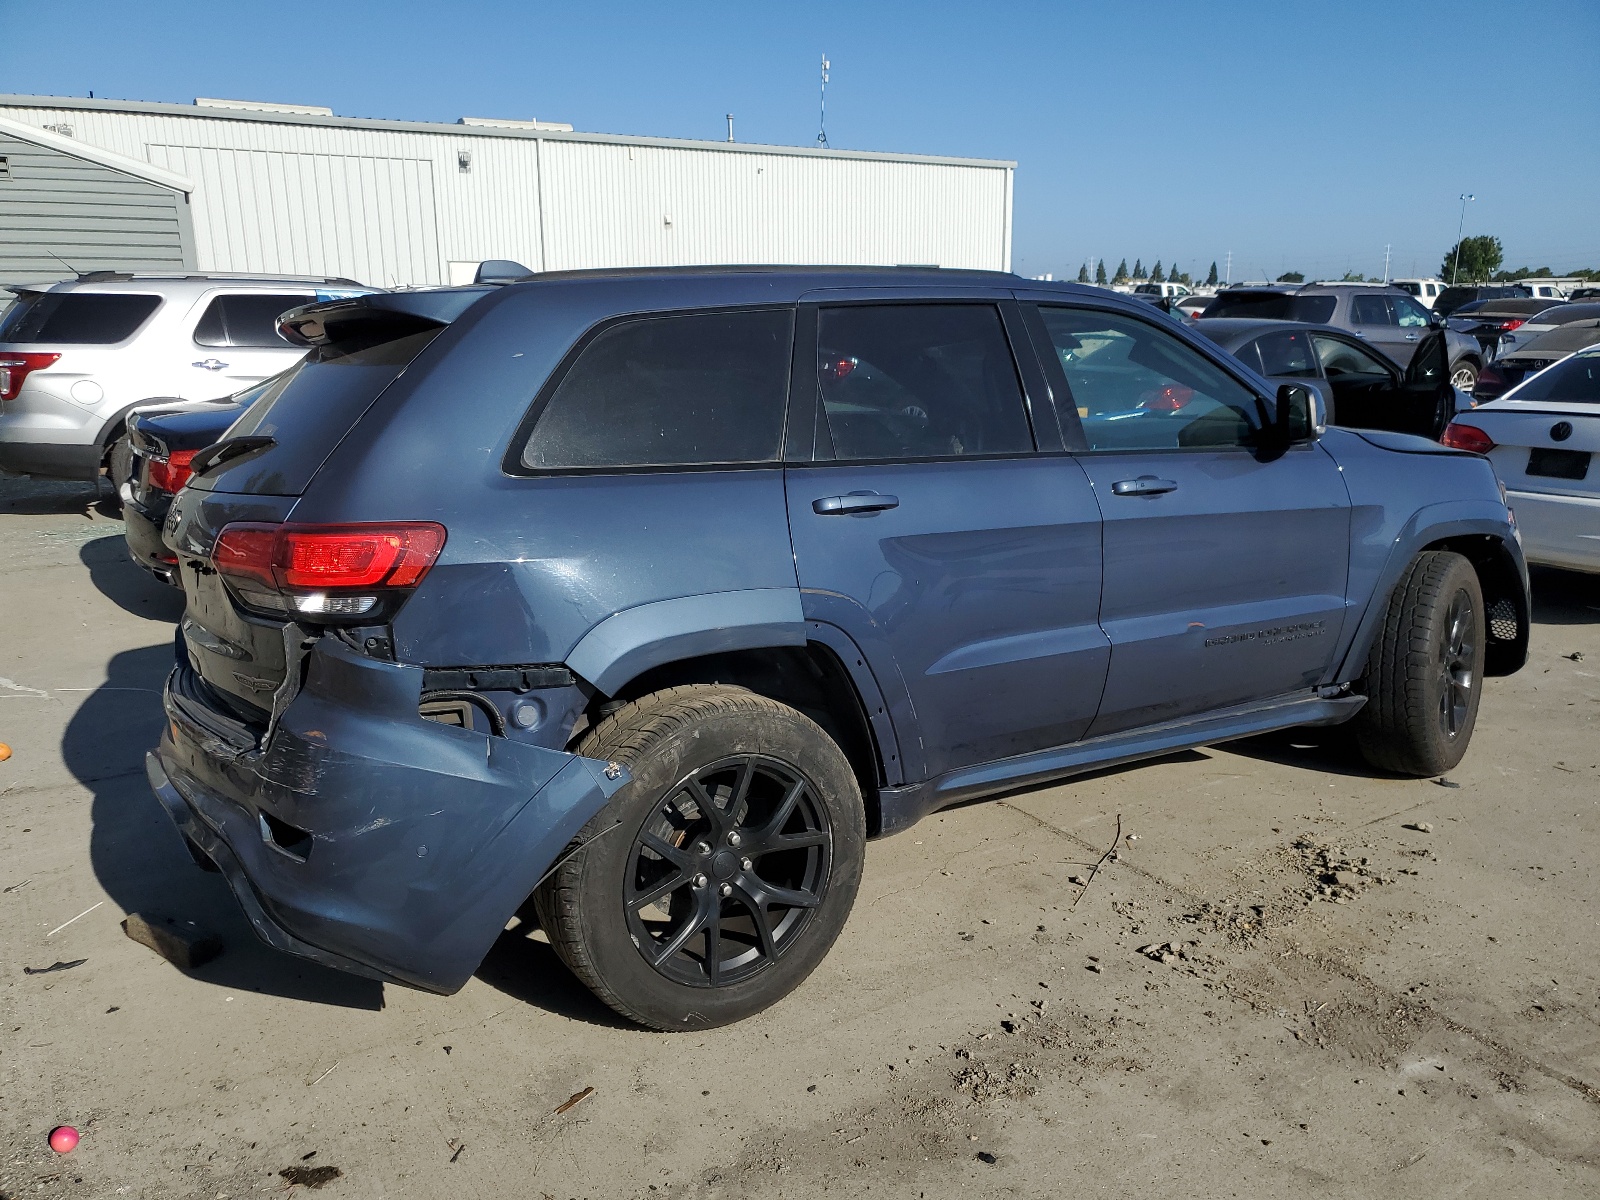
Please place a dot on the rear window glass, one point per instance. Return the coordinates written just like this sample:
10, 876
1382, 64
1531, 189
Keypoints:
307, 411
76, 318
1565, 314
1272, 306
690, 390
247, 321
1575, 380
1284, 354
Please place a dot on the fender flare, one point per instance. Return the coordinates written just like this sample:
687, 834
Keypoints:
1427, 526
630, 642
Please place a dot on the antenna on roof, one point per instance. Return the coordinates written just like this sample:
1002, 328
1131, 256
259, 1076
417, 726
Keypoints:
822, 110
63, 262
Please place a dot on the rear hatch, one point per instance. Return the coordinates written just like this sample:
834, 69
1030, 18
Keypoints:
1272, 306
254, 602
51, 340
1547, 433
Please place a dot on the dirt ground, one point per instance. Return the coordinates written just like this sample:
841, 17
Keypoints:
1294, 978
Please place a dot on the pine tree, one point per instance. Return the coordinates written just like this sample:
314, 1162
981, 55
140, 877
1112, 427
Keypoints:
1083, 273
1100, 272
1138, 268
1122, 272
1155, 275
1211, 279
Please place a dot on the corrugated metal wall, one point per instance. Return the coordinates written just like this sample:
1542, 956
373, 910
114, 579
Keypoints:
56, 209
393, 206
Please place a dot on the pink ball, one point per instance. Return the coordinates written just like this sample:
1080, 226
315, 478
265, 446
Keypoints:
63, 1139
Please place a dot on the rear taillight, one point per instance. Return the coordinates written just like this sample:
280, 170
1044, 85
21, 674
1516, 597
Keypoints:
1459, 436
1508, 326
325, 570
1490, 383
16, 367
172, 473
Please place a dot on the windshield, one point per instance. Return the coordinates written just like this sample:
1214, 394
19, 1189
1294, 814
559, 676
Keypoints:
1574, 380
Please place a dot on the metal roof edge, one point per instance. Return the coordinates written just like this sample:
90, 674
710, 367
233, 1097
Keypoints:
95, 154
477, 131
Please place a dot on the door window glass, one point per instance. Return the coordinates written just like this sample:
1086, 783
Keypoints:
1339, 357
919, 381
690, 390
247, 321
1370, 310
1407, 312
1287, 354
1137, 387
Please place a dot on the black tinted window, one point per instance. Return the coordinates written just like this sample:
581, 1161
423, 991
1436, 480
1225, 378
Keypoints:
919, 381
246, 321
1370, 310
1272, 306
687, 390
1575, 380
77, 318
1286, 354
1137, 387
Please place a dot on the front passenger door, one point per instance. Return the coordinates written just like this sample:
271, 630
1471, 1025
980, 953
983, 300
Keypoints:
1225, 573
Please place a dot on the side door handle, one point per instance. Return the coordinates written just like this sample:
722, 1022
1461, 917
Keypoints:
1145, 485
855, 502
209, 364
1411, 337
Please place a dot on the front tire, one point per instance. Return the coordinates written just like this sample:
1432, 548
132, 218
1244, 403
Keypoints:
1424, 674
720, 875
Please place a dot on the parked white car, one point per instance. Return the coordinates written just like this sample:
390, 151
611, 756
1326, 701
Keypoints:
1167, 291
1426, 291
1543, 437
77, 356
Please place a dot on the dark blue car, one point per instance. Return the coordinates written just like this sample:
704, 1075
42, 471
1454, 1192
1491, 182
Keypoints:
651, 595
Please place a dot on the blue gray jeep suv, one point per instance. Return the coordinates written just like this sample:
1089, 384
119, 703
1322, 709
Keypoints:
651, 595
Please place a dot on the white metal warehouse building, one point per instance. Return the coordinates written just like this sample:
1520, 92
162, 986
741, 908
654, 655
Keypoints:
233, 186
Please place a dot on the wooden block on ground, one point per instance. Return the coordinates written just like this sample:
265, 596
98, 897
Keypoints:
182, 943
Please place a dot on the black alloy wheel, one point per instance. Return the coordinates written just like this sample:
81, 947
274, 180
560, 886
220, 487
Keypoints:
726, 872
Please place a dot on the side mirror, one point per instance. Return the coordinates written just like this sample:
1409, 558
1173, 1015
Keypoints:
1301, 415
1435, 320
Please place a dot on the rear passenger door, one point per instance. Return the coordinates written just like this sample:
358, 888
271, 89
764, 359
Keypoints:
960, 554
1225, 572
236, 341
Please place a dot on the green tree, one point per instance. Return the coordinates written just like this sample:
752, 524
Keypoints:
1155, 273
1122, 272
1083, 273
1211, 276
1472, 259
1100, 272
1353, 277
1138, 268
1176, 276
1290, 277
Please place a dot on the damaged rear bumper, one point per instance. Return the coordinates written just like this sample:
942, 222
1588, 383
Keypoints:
364, 837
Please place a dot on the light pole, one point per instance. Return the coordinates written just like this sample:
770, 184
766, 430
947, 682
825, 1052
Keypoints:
1462, 224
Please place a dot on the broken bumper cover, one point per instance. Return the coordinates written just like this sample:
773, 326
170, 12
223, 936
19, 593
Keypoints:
366, 838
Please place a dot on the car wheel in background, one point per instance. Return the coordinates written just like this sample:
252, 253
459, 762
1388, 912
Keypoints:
1424, 674
119, 466
720, 875
1464, 376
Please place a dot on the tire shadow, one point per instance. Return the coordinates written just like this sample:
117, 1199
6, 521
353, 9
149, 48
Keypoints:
128, 585
1564, 597
524, 966
25, 495
141, 861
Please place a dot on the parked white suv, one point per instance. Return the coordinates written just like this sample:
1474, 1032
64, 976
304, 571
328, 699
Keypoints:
77, 356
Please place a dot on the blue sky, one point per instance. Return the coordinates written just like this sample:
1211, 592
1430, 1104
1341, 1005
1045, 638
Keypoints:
1298, 135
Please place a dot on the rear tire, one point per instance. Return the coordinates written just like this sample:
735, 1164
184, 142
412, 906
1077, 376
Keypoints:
119, 466
1424, 674
727, 866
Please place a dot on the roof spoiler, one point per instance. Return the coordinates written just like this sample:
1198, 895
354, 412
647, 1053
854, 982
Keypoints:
377, 317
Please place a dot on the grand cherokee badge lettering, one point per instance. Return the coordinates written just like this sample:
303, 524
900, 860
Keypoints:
1273, 636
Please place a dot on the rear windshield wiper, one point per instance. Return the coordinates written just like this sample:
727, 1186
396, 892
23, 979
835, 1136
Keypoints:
218, 453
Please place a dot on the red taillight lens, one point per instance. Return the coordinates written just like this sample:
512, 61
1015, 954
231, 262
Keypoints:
171, 475
1169, 397
1508, 326
1467, 437
1490, 383
14, 368
321, 569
